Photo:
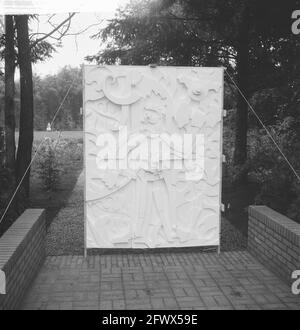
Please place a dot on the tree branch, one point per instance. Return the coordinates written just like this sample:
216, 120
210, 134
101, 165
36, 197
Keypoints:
84, 30
65, 32
47, 35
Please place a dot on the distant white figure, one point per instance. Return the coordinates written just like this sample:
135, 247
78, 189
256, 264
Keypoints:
48, 127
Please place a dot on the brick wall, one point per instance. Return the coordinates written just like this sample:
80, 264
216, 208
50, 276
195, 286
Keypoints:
274, 240
22, 251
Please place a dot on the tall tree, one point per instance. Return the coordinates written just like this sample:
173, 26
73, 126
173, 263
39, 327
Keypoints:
26, 127
26, 98
30, 48
252, 39
242, 69
9, 59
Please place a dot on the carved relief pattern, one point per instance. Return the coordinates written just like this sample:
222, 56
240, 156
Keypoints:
155, 208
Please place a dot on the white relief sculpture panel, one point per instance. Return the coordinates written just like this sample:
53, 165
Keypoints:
149, 200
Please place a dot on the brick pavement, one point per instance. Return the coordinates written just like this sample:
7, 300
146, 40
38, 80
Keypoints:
189, 280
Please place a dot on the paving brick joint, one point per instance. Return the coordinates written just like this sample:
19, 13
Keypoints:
176, 281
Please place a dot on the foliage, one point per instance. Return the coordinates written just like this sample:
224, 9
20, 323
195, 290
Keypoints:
6, 186
49, 93
271, 180
145, 32
53, 157
204, 32
39, 52
48, 164
252, 39
279, 185
294, 207
23, 49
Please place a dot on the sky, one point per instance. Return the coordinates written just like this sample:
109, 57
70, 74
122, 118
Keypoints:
74, 49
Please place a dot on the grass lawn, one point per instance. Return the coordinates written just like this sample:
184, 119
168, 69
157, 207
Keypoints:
71, 135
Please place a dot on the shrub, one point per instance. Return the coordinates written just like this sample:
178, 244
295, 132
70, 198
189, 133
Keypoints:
279, 187
271, 180
47, 164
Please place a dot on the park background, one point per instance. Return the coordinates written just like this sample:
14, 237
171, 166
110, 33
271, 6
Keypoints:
254, 41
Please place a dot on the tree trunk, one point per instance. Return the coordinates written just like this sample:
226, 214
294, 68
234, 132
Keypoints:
6, 191
9, 106
26, 108
241, 128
